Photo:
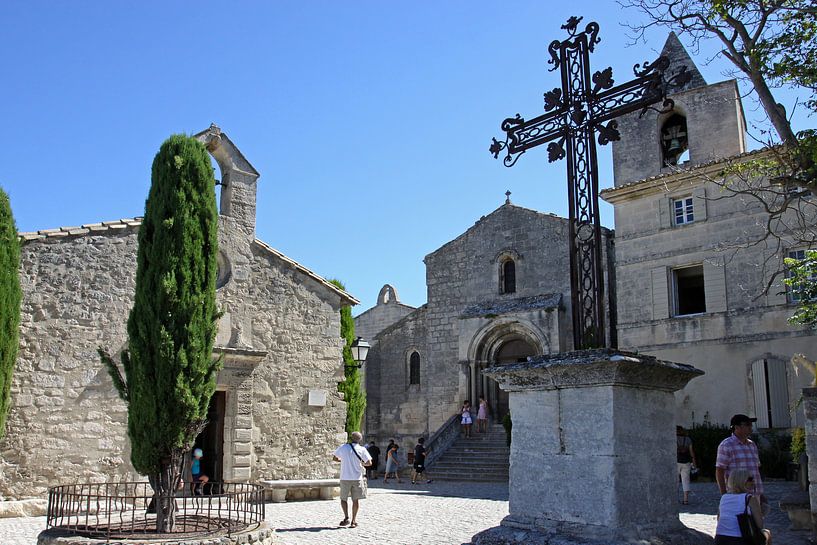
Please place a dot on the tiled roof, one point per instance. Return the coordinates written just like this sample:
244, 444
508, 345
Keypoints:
504, 306
89, 228
689, 171
134, 223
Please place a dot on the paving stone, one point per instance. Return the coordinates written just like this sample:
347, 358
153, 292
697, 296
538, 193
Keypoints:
444, 513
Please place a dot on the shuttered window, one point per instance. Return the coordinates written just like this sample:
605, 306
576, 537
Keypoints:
771, 394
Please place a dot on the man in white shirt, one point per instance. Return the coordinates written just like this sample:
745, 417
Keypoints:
353, 459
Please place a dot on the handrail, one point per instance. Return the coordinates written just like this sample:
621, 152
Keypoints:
443, 438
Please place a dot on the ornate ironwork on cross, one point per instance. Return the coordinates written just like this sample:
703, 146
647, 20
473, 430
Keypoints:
575, 112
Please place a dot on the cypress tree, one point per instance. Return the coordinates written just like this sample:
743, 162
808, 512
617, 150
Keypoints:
10, 297
170, 373
350, 387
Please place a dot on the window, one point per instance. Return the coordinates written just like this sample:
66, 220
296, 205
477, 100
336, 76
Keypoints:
683, 210
507, 276
674, 141
795, 293
688, 291
414, 368
771, 394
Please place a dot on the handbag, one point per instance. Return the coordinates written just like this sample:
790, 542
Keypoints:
748, 528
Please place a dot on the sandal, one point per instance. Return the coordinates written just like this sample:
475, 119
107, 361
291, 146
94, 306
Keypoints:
353, 525
344, 522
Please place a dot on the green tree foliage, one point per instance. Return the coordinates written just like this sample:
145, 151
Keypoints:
802, 280
10, 297
353, 394
169, 370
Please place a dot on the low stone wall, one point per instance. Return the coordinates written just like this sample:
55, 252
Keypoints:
262, 535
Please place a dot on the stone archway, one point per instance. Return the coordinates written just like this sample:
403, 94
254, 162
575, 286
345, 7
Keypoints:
499, 343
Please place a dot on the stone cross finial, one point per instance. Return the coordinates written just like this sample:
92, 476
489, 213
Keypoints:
508, 197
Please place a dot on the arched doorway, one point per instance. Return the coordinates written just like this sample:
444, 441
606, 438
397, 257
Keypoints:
500, 344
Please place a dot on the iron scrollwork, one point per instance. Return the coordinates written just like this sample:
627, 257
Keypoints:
575, 112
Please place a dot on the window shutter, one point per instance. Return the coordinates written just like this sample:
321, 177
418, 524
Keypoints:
699, 203
761, 401
660, 293
715, 284
779, 393
664, 213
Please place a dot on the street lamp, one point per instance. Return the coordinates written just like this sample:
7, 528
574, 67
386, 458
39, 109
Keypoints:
360, 349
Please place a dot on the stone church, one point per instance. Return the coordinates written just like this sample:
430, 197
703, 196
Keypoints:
276, 412
681, 285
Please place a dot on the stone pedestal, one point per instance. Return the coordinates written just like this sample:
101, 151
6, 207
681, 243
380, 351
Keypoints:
593, 450
810, 407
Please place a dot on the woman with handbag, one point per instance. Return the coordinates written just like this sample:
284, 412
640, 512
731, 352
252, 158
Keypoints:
740, 517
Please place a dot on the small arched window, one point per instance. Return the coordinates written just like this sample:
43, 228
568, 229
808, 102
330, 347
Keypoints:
674, 139
507, 276
414, 368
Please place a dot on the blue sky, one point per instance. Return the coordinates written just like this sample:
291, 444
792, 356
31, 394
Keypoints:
369, 121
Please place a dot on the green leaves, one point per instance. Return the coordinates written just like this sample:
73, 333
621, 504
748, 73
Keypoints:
10, 297
802, 280
170, 373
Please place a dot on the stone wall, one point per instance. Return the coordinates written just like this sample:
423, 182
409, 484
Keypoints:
386, 312
466, 312
741, 325
280, 336
396, 409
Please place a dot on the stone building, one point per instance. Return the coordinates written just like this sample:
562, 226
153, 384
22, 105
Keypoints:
685, 284
500, 292
689, 278
276, 412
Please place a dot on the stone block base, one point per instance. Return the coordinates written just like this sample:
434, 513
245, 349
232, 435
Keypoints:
262, 535
511, 535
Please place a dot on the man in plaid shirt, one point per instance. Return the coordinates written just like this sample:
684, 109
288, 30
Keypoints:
739, 452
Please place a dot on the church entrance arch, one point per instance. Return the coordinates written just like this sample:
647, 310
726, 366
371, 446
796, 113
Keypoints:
499, 344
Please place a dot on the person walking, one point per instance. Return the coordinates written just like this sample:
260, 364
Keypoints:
420, 453
739, 452
685, 458
482, 415
736, 501
392, 464
353, 458
465, 418
374, 452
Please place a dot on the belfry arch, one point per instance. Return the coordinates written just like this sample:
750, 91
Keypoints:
499, 343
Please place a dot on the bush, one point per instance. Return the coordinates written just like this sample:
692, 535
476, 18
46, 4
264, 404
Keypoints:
705, 440
798, 444
507, 424
773, 447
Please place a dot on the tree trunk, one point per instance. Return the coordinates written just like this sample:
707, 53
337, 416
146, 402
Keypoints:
164, 484
776, 113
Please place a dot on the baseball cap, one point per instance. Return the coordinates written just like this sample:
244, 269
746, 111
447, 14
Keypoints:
739, 419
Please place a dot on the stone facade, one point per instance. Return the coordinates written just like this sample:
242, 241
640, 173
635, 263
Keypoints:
279, 337
472, 319
737, 335
743, 342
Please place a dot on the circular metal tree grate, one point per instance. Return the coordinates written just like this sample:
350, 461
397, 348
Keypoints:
126, 509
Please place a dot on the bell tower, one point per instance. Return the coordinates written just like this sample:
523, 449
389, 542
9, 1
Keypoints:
706, 123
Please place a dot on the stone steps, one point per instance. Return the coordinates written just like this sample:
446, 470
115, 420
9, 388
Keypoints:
484, 457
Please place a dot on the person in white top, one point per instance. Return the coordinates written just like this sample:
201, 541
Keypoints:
735, 502
353, 459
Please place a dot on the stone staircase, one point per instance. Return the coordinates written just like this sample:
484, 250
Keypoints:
483, 457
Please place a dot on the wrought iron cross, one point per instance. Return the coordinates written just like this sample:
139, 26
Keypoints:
583, 107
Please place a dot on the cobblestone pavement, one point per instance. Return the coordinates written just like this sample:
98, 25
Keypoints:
441, 513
